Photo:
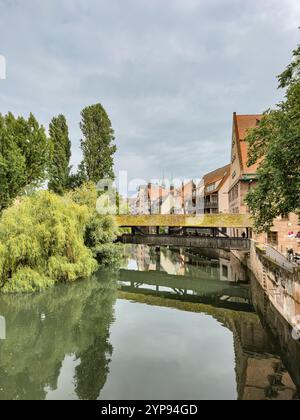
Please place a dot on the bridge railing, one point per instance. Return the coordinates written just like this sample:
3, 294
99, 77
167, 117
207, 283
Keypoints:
188, 241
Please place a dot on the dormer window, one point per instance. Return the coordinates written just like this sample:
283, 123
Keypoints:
211, 187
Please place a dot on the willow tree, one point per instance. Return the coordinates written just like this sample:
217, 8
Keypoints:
60, 155
275, 143
42, 243
47, 239
98, 143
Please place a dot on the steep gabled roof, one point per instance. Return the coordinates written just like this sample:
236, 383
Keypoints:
156, 192
217, 175
242, 123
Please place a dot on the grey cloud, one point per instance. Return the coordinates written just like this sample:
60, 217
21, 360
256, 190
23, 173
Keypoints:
170, 73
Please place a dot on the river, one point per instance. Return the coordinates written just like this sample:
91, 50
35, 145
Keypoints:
171, 324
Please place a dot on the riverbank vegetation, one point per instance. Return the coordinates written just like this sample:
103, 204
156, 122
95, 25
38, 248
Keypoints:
275, 144
47, 239
55, 235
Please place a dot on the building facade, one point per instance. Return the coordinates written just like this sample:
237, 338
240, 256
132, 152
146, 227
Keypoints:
189, 197
283, 235
242, 177
150, 198
212, 192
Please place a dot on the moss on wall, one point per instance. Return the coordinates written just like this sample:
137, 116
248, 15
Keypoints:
205, 221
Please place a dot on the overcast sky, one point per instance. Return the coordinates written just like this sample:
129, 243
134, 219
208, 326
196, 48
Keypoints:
170, 73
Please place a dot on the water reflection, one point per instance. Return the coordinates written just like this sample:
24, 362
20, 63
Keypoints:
274, 320
218, 264
260, 350
217, 279
45, 331
187, 324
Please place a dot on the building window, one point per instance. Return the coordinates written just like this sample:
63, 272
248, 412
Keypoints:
225, 271
273, 238
236, 191
285, 216
211, 187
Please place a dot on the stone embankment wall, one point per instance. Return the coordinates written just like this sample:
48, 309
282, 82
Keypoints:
279, 279
269, 265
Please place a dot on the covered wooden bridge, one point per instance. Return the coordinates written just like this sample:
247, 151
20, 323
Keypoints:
146, 230
240, 221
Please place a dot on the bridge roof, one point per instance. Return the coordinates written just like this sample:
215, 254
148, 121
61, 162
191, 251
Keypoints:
204, 221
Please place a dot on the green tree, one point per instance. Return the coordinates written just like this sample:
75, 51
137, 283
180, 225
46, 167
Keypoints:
60, 147
32, 141
23, 156
101, 231
98, 143
12, 165
47, 239
78, 179
42, 242
275, 143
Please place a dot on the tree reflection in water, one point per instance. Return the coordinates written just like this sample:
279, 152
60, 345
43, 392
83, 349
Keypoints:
43, 329
73, 322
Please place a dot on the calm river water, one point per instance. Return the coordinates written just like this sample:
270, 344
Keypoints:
171, 324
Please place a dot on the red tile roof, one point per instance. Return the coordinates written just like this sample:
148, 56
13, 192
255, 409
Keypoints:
216, 175
155, 192
242, 124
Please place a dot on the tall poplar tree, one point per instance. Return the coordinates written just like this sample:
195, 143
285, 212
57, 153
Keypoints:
98, 143
60, 155
12, 165
32, 140
23, 156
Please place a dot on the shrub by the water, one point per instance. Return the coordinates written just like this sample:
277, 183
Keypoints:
45, 239
100, 230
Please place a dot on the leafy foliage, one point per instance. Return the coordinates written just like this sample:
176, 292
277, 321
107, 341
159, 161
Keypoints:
76, 180
275, 143
23, 156
101, 230
97, 144
43, 242
27, 280
292, 73
47, 239
60, 146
